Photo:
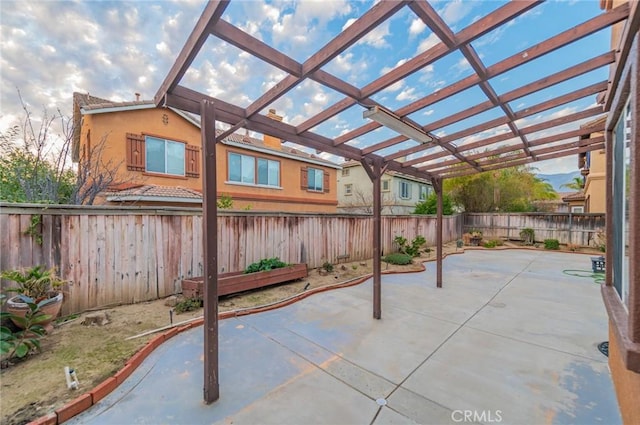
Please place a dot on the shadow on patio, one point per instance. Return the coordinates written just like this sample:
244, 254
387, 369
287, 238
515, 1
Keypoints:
510, 338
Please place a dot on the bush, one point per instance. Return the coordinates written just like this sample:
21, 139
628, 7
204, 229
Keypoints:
414, 249
429, 205
188, 304
490, 244
527, 235
551, 244
398, 258
327, 266
265, 264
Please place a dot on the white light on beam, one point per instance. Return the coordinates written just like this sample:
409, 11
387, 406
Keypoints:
394, 122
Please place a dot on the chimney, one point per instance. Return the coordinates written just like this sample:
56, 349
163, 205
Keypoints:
137, 97
270, 141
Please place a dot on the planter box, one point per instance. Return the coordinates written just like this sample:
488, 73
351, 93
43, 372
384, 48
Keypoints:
231, 283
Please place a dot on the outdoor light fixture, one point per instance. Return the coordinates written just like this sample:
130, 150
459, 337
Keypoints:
392, 121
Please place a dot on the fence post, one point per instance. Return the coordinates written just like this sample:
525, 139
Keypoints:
570, 225
508, 225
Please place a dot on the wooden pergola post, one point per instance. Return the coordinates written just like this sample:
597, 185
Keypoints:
210, 233
437, 186
375, 172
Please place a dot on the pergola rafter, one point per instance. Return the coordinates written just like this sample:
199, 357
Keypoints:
510, 137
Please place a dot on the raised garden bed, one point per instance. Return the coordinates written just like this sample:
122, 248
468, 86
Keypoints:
233, 282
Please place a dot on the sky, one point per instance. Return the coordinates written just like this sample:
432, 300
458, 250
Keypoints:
112, 50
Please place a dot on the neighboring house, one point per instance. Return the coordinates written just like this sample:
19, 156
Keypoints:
400, 193
593, 165
558, 205
158, 154
575, 200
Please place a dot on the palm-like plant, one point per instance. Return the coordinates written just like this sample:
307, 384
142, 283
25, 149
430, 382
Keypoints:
576, 184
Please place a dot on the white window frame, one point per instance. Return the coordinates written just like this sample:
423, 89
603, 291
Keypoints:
167, 157
385, 186
404, 183
345, 172
424, 192
348, 189
577, 209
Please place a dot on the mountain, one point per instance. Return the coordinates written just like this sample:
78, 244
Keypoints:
557, 180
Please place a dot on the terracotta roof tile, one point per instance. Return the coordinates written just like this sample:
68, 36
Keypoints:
155, 191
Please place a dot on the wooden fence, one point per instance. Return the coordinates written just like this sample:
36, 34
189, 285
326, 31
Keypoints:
578, 229
114, 255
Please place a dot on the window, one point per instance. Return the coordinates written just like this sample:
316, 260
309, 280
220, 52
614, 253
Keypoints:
621, 185
424, 192
268, 172
577, 209
164, 156
405, 189
345, 172
348, 189
385, 185
245, 168
314, 179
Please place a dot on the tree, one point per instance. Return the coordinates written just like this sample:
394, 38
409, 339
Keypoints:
576, 184
429, 205
512, 189
362, 202
36, 166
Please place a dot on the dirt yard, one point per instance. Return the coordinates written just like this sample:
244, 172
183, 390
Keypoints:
37, 386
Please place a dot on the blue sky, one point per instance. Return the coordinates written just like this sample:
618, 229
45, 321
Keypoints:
114, 49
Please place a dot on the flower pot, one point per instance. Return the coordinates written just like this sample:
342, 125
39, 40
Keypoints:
16, 306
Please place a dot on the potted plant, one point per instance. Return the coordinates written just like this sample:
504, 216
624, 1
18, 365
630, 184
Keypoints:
476, 237
35, 285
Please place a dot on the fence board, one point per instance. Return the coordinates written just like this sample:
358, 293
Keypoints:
566, 227
110, 256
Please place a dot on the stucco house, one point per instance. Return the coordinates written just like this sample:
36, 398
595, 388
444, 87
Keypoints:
157, 153
593, 166
400, 193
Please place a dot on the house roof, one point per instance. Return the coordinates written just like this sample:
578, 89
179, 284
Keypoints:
94, 105
575, 196
155, 193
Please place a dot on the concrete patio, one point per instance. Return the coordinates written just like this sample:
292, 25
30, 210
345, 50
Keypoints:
509, 339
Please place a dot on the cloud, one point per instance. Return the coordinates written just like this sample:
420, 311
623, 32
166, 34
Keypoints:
427, 43
416, 27
407, 94
377, 37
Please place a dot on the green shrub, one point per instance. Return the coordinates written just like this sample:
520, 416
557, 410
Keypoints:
527, 235
398, 258
551, 244
414, 249
429, 205
265, 264
490, 244
188, 304
327, 266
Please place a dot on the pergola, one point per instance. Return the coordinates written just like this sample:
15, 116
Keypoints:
420, 148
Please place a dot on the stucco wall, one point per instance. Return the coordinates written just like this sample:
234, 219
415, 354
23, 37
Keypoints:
595, 184
626, 382
288, 197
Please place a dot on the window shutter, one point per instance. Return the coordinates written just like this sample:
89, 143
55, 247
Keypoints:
304, 178
192, 161
325, 182
135, 152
